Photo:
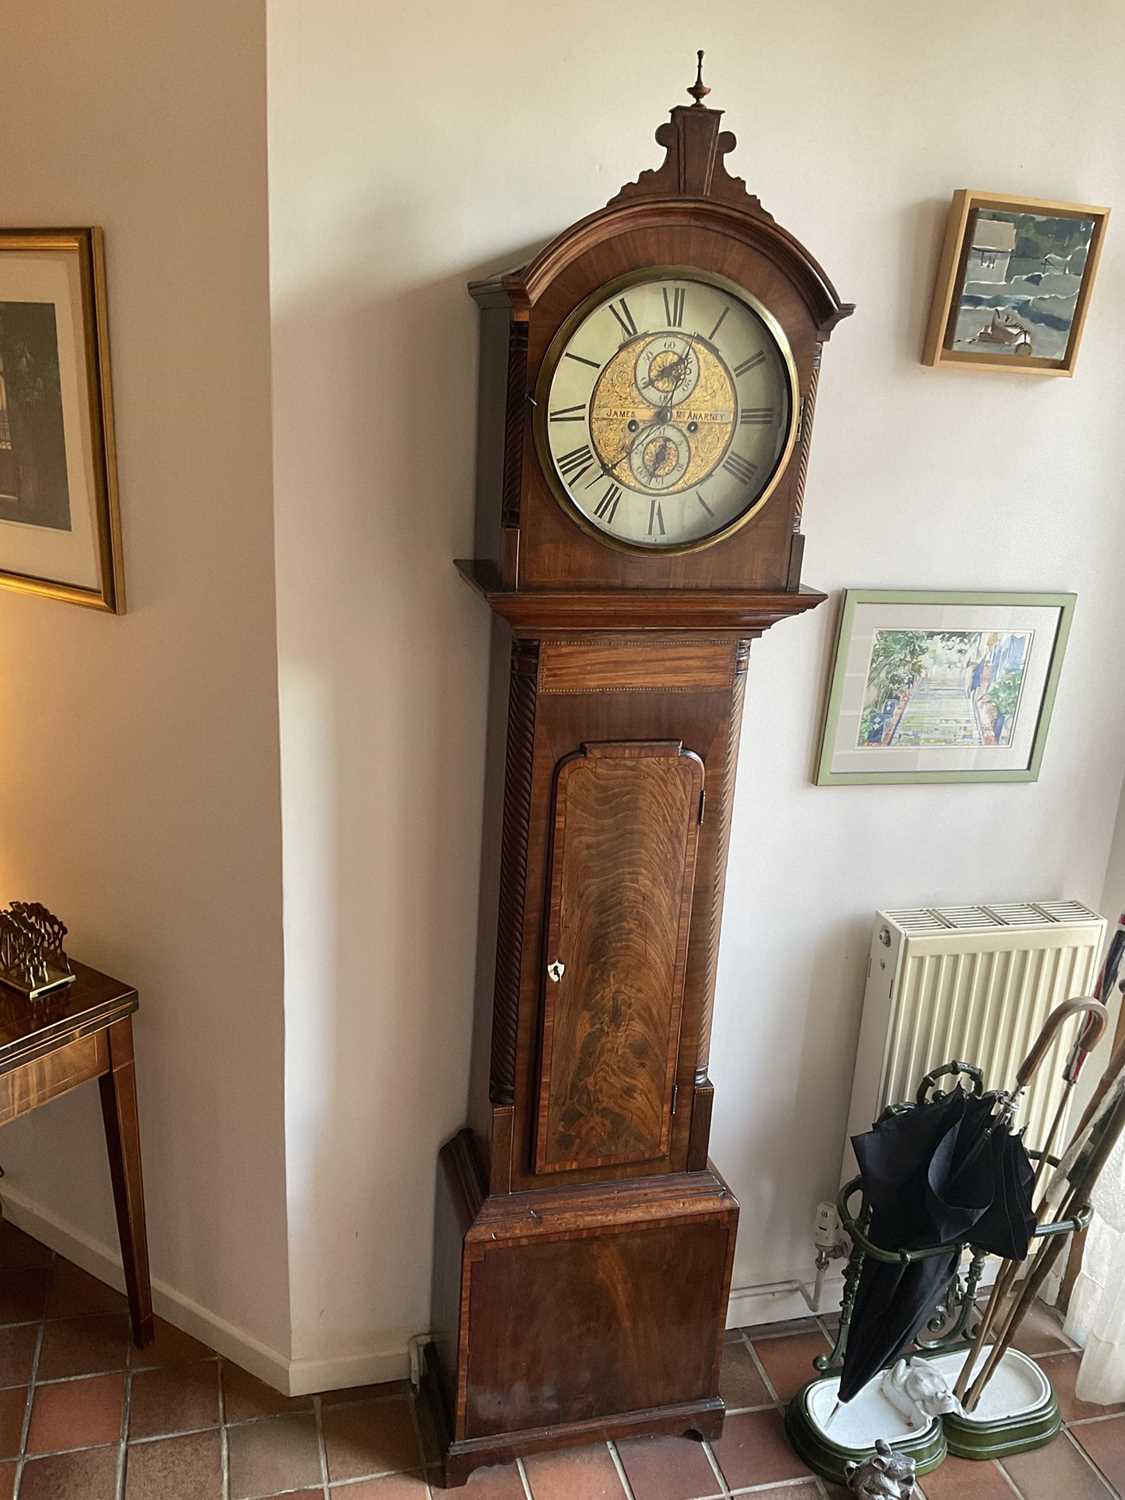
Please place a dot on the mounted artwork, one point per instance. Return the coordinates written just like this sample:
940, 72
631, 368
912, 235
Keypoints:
942, 686
59, 525
1014, 283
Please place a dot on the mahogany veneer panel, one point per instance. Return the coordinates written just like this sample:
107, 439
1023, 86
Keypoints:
570, 1313
582, 1326
623, 860
24, 1089
634, 666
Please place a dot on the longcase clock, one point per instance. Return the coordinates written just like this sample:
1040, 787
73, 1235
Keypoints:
647, 393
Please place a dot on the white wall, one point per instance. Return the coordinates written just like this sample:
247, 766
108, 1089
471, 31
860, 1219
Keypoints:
412, 148
139, 777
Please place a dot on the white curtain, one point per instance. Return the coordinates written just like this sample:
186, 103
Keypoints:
1096, 1317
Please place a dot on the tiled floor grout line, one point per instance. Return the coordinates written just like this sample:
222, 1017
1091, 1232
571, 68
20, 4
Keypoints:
761, 1369
126, 1423
615, 1457
418, 1443
123, 1370
1089, 1462
1012, 1485
522, 1472
25, 1426
709, 1455
224, 1439
773, 1484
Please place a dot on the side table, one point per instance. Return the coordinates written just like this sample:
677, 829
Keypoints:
50, 1046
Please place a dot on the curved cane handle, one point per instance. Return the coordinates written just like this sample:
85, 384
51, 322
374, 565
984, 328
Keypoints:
1097, 1018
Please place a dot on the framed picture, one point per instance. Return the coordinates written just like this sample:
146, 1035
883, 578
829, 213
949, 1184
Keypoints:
1014, 283
59, 523
942, 686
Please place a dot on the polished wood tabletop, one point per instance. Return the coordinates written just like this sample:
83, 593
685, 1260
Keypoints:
32, 1028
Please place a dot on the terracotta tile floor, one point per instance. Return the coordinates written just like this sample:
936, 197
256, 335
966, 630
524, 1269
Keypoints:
84, 1416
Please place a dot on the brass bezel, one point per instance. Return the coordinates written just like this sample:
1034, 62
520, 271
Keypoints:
88, 244
554, 354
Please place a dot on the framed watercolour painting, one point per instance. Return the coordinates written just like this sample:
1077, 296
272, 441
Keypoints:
1014, 283
942, 686
59, 523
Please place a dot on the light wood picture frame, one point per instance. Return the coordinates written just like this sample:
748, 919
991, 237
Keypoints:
942, 685
1013, 283
60, 524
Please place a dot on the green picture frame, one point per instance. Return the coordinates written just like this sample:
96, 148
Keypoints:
942, 686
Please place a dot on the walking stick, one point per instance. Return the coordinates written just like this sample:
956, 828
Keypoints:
1087, 1156
1087, 1039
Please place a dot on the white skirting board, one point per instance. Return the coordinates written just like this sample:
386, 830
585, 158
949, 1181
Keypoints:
773, 1302
292, 1377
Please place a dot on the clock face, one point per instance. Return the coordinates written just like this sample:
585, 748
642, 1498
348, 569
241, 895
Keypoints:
666, 411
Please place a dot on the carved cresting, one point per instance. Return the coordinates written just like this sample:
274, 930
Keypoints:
693, 166
513, 869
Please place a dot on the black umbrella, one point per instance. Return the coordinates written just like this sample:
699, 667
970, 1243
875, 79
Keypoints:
944, 1172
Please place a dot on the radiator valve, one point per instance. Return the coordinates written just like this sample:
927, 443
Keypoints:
829, 1245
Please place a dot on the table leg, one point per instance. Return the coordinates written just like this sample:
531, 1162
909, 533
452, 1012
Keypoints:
123, 1143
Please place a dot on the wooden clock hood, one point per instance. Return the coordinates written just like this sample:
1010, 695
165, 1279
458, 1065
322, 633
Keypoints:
688, 213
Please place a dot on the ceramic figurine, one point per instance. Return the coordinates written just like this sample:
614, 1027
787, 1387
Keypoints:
920, 1392
884, 1476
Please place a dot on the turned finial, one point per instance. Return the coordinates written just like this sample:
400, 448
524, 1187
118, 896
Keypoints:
699, 89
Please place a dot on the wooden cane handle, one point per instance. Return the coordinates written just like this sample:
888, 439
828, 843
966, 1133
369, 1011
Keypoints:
1058, 1017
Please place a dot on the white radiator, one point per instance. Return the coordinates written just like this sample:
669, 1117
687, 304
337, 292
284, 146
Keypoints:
975, 983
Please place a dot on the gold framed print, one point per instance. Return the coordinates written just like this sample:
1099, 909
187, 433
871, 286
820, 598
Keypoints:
60, 529
1014, 283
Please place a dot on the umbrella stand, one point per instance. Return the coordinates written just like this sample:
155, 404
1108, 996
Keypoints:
827, 1441
828, 1436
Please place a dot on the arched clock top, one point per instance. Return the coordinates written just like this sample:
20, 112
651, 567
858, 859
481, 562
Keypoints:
663, 449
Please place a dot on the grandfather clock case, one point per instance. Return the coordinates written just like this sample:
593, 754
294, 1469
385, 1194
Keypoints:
584, 1240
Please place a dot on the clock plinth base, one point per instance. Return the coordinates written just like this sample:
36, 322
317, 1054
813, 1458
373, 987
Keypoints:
575, 1314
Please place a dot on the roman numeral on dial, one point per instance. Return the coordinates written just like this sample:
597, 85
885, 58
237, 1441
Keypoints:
718, 324
620, 310
574, 464
674, 299
655, 519
756, 416
750, 364
569, 413
606, 507
704, 504
742, 468
582, 360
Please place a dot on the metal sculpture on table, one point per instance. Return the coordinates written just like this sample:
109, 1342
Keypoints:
32, 959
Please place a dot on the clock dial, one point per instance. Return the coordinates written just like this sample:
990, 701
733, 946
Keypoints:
669, 411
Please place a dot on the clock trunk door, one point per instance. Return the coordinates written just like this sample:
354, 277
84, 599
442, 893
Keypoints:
622, 867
